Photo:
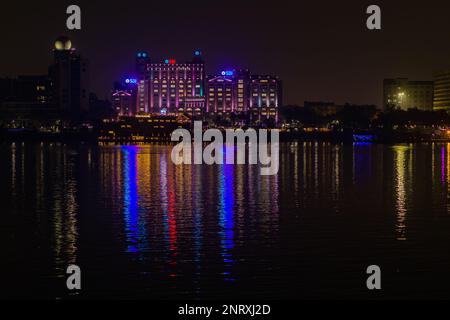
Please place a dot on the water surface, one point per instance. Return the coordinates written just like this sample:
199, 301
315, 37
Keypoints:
141, 227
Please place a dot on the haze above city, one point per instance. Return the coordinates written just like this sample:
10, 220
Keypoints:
321, 51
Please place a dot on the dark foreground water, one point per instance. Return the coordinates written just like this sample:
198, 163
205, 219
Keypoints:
141, 227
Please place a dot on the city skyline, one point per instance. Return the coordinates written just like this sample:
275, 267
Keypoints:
189, 153
283, 43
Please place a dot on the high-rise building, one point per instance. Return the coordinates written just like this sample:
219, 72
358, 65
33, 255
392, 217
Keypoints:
123, 98
266, 97
228, 92
142, 62
403, 94
170, 86
237, 91
70, 81
442, 91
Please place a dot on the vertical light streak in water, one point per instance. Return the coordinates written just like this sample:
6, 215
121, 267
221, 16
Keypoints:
316, 170
240, 201
22, 168
433, 160
40, 179
57, 206
275, 210
336, 172
167, 197
294, 148
362, 162
134, 236
226, 217
306, 169
172, 218
71, 229
447, 165
443, 165
447, 180
13, 174
197, 199
163, 196
65, 210
400, 190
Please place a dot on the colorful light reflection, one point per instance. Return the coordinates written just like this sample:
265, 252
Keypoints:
136, 235
226, 217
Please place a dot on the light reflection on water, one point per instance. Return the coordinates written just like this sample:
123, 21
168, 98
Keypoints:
160, 230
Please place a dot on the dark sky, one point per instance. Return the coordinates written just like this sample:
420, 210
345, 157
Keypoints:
320, 49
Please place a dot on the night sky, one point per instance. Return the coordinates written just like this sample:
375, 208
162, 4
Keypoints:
320, 49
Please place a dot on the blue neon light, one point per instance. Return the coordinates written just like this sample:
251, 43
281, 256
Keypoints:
166, 61
197, 53
228, 73
226, 218
131, 81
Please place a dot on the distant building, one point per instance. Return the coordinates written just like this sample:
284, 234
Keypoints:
228, 92
266, 95
442, 91
70, 79
169, 86
403, 94
142, 83
25, 94
140, 128
122, 102
124, 98
237, 91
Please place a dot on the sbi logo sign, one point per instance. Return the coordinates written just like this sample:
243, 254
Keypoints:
227, 73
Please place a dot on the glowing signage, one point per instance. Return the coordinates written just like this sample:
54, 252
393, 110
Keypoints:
229, 73
131, 81
170, 61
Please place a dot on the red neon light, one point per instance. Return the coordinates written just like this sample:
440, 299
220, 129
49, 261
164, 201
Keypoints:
172, 61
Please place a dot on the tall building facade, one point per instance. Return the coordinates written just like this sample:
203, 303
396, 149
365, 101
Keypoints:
70, 78
237, 91
169, 86
403, 94
124, 97
228, 92
442, 91
266, 95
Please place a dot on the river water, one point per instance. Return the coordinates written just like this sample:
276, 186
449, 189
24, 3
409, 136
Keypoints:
140, 227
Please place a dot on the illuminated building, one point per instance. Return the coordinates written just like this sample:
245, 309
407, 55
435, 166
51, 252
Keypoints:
442, 91
140, 128
265, 97
169, 86
122, 102
237, 91
228, 92
123, 97
142, 61
403, 94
